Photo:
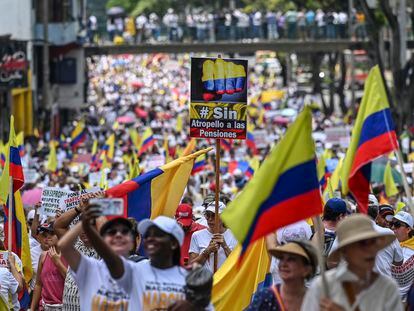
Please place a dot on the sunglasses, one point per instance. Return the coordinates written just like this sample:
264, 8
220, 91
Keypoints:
114, 231
397, 224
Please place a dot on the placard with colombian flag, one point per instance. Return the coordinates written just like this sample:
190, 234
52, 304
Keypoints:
218, 107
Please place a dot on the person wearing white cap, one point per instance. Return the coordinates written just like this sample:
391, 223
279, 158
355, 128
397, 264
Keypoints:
354, 284
402, 225
154, 284
204, 242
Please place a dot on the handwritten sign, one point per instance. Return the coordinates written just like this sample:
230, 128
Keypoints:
51, 199
72, 200
30, 175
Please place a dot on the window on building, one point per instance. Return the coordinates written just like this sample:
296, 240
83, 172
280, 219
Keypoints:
60, 11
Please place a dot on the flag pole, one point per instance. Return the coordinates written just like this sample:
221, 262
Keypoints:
217, 197
10, 216
405, 182
319, 230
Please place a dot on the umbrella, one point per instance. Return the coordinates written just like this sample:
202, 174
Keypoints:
126, 119
377, 173
115, 11
141, 113
288, 112
281, 120
32, 196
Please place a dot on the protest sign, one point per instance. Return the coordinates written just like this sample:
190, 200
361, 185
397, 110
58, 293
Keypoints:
51, 199
30, 176
72, 199
338, 135
94, 179
404, 274
4, 256
218, 107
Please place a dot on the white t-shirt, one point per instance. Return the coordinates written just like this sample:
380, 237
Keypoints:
97, 289
8, 286
151, 288
407, 253
200, 241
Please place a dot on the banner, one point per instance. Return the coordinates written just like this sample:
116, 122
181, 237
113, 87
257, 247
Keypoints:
4, 256
72, 199
51, 199
13, 64
218, 106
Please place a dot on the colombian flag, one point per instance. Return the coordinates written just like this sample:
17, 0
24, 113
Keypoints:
253, 166
225, 144
109, 147
147, 141
78, 135
373, 136
12, 167
2, 154
20, 143
157, 192
278, 195
199, 164
251, 143
233, 286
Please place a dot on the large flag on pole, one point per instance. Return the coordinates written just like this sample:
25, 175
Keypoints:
233, 286
279, 194
373, 136
12, 166
78, 135
157, 192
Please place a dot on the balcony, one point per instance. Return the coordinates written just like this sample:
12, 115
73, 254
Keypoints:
59, 33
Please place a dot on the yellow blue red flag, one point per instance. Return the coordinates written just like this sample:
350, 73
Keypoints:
147, 141
278, 194
234, 286
78, 135
157, 192
373, 136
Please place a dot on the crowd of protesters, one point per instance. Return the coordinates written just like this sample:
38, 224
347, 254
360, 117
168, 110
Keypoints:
83, 261
199, 25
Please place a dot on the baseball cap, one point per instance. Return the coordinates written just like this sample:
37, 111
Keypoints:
46, 227
118, 220
184, 214
372, 200
337, 205
166, 224
31, 215
386, 211
405, 218
212, 207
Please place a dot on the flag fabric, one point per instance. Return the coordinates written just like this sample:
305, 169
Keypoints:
199, 164
157, 192
52, 162
278, 195
389, 182
334, 180
133, 166
373, 136
2, 154
19, 235
179, 124
241, 165
251, 143
322, 171
94, 151
233, 286
20, 143
135, 138
147, 141
253, 167
108, 149
12, 166
166, 149
78, 135
226, 144
190, 147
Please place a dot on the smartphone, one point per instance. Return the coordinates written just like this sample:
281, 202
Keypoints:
109, 206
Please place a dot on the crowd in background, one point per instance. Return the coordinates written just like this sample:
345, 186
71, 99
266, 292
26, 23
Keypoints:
199, 25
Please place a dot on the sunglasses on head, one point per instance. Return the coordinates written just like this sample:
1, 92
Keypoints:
114, 231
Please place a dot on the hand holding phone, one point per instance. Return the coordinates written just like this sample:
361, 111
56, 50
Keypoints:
109, 206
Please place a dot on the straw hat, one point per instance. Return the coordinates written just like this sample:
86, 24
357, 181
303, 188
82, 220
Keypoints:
359, 227
300, 248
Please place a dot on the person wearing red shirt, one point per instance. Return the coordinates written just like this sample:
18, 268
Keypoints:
184, 216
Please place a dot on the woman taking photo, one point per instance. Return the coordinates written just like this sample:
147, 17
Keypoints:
297, 263
354, 285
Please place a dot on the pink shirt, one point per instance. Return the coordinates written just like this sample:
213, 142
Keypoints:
52, 282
